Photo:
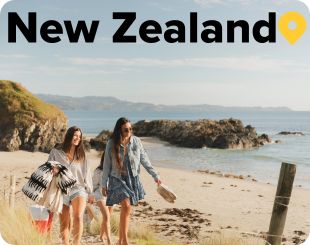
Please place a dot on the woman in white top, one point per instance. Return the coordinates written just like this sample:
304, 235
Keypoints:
100, 200
72, 155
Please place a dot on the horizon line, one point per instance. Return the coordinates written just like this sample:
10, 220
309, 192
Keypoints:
201, 104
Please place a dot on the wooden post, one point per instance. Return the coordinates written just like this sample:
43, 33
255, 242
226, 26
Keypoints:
281, 202
12, 191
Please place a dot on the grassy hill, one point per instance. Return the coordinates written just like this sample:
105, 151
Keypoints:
19, 106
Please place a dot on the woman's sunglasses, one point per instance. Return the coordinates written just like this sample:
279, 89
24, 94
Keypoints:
127, 130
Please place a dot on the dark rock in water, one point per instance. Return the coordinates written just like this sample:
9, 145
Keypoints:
99, 143
278, 141
291, 133
223, 134
26, 122
264, 138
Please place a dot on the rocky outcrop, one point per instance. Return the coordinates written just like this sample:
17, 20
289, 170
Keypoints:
99, 143
223, 134
26, 122
291, 133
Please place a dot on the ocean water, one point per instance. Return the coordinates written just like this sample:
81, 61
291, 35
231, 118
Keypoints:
263, 163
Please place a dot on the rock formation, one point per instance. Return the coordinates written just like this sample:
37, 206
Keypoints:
291, 133
99, 143
26, 122
223, 134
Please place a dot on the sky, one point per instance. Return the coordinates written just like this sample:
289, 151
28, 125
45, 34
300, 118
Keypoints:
228, 74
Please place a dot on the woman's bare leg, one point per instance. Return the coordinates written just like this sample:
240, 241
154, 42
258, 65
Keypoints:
90, 212
105, 226
124, 222
78, 206
64, 218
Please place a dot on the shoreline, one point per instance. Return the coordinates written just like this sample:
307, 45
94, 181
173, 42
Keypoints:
206, 202
219, 169
151, 142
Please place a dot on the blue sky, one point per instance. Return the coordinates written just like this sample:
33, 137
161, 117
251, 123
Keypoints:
223, 74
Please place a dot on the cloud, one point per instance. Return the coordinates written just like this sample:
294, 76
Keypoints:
22, 70
14, 56
254, 63
160, 6
208, 3
61, 70
256, 3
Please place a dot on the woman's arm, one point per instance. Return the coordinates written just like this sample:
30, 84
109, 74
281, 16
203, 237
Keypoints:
96, 179
88, 178
146, 163
89, 182
107, 165
52, 157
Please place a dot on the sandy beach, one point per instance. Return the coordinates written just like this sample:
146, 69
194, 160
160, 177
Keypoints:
206, 202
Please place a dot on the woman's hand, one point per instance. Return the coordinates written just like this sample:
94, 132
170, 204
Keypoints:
91, 199
104, 192
55, 170
158, 182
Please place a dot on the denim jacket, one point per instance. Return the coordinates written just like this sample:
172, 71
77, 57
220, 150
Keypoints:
137, 156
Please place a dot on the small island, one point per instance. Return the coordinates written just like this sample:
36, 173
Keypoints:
222, 134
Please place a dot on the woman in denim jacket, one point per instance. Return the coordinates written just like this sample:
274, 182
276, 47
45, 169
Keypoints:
124, 155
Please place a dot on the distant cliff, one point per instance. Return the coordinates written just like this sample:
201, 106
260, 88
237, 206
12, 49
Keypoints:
26, 122
98, 103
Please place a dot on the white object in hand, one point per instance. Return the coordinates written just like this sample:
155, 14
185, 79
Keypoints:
3, 2
306, 2
166, 193
2, 242
307, 242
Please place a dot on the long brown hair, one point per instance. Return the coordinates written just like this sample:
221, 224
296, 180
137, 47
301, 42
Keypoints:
79, 153
116, 137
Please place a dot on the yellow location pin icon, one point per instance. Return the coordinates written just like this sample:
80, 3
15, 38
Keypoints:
292, 35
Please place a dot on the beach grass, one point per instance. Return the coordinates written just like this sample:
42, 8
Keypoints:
138, 233
16, 227
15, 100
144, 235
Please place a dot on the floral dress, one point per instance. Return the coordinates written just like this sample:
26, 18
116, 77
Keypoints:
126, 187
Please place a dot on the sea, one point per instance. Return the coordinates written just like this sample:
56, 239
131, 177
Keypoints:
262, 164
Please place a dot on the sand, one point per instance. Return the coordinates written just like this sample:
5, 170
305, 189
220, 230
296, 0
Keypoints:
206, 202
